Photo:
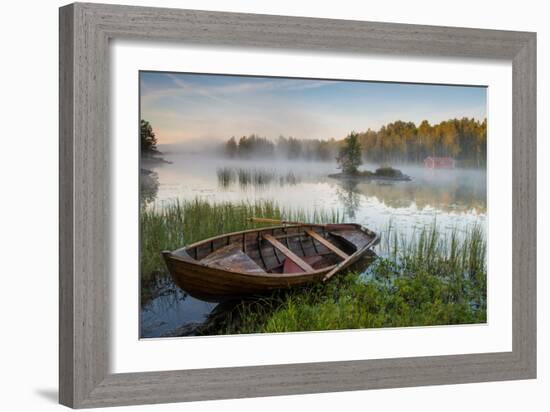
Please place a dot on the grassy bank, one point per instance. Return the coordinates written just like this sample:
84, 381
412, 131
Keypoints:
184, 222
424, 280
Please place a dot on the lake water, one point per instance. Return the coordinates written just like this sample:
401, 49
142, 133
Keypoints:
454, 199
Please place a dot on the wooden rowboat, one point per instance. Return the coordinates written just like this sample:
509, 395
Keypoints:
260, 260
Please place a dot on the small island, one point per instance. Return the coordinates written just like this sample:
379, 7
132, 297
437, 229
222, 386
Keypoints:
349, 159
150, 158
382, 173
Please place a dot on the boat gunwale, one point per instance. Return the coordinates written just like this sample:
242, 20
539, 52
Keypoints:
197, 263
239, 232
191, 261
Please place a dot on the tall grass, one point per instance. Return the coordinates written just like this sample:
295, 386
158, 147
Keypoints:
183, 222
425, 279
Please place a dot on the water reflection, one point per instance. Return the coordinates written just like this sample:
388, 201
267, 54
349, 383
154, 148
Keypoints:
307, 185
148, 186
256, 178
451, 194
173, 313
349, 196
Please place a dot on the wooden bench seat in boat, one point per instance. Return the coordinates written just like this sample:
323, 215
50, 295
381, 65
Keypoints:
356, 238
327, 244
290, 267
288, 253
231, 257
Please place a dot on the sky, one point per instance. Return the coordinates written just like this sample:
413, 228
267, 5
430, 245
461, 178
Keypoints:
189, 108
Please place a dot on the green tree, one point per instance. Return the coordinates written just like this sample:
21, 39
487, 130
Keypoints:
349, 155
256, 146
147, 138
294, 148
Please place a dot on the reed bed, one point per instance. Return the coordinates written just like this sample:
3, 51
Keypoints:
257, 178
186, 221
429, 277
425, 279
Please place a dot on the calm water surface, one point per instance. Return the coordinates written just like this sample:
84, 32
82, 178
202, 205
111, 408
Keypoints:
454, 199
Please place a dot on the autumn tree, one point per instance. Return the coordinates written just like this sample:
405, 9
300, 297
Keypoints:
425, 141
464, 139
449, 138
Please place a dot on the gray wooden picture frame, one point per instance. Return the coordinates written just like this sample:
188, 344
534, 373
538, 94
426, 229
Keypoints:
85, 32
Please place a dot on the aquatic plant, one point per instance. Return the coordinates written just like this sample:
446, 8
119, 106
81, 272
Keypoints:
183, 222
429, 277
425, 279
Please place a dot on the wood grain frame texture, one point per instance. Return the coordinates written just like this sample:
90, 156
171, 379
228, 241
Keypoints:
85, 32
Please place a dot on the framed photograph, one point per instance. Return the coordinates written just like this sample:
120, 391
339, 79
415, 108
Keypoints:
256, 205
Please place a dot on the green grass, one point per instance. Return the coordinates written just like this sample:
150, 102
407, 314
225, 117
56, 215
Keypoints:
183, 222
418, 280
425, 280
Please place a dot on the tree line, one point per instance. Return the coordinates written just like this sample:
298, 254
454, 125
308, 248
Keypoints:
463, 139
290, 148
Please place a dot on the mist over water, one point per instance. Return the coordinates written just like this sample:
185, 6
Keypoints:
455, 198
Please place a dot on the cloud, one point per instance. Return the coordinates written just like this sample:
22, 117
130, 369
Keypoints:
194, 89
220, 93
273, 86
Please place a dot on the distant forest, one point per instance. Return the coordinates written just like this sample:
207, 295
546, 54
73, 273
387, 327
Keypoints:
463, 139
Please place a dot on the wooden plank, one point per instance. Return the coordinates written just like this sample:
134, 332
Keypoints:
232, 258
326, 243
355, 237
288, 253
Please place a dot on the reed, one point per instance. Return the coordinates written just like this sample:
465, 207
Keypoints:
419, 279
253, 177
424, 279
183, 222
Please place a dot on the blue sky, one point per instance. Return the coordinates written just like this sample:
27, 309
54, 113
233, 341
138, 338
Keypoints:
190, 107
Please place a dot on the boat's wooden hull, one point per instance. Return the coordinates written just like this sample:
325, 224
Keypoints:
215, 285
190, 272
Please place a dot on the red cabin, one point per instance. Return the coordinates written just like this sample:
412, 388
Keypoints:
439, 162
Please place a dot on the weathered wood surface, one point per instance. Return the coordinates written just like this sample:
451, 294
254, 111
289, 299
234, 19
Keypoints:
288, 253
326, 243
357, 238
231, 257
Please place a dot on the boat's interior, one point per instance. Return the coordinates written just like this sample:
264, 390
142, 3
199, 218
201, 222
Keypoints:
285, 249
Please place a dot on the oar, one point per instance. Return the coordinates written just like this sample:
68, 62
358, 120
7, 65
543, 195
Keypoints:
288, 222
279, 221
335, 270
